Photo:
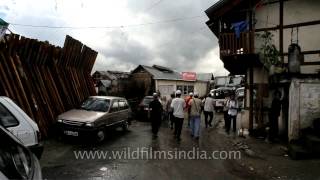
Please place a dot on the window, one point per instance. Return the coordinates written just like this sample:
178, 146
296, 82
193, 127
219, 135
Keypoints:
6, 118
190, 89
126, 105
146, 101
115, 106
123, 105
96, 104
185, 89
180, 88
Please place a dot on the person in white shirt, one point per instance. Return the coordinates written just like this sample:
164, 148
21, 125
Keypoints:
178, 105
232, 113
208, 110
195, 115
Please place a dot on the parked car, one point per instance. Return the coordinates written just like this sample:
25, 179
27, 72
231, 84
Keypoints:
21, 125
240, 97
16, 160
219, 96
143, 109
93, 117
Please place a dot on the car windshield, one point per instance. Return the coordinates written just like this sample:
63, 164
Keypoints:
96, 104
146, 101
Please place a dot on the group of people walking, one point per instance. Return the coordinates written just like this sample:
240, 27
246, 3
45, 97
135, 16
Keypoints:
175, 108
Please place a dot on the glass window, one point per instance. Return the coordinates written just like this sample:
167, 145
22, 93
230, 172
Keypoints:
180, 88
190, 89
6, 118
146, 101
122, 105
96, 104
115, 106
185, 89
126, 105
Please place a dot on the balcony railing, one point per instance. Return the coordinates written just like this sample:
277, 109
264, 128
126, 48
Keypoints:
231, 45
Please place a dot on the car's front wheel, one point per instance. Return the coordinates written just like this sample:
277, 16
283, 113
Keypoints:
125, 126
100, 135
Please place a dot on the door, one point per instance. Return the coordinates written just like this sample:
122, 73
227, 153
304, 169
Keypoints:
123, 110
114, 112
21, 129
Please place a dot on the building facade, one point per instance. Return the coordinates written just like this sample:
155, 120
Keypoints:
112, 82
149, 79
256, 37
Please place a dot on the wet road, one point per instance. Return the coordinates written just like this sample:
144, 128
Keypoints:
60, 162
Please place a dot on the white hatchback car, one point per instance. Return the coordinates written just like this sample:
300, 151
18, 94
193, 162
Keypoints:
14, 119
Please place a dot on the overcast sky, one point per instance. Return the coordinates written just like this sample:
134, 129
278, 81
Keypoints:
163, 32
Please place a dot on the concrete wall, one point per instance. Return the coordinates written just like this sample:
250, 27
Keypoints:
304, 105
295, 11
201, 87
260, 76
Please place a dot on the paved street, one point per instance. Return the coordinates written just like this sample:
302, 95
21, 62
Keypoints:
59, 161
57, 153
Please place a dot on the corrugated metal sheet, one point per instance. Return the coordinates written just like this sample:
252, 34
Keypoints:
204, 76
106, 83
157, 74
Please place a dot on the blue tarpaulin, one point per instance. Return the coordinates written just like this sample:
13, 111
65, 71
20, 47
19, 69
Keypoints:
239, 27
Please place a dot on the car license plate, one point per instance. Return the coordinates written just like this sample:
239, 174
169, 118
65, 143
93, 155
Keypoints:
71, 133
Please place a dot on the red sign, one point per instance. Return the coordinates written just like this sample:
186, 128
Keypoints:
189, 76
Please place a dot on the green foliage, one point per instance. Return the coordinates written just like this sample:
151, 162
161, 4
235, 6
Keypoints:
268, 50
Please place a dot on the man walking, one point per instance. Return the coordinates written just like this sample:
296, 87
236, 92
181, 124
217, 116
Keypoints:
208, 110
232, 114
195, 116
155, 116
225, 111
178, 105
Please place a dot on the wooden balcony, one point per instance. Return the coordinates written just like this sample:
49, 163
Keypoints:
231, 45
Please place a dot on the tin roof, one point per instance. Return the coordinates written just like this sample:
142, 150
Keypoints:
204, 76
114, 75
160, 72
105, 83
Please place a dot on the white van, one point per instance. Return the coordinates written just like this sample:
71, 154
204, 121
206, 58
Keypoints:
21, 125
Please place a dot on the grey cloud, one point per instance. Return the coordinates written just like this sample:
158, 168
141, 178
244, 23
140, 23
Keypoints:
126, 50
189, 40
54, 36
179, 45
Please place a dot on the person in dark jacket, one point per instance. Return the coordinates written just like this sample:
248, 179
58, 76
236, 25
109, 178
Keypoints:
155, 115
274, 115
